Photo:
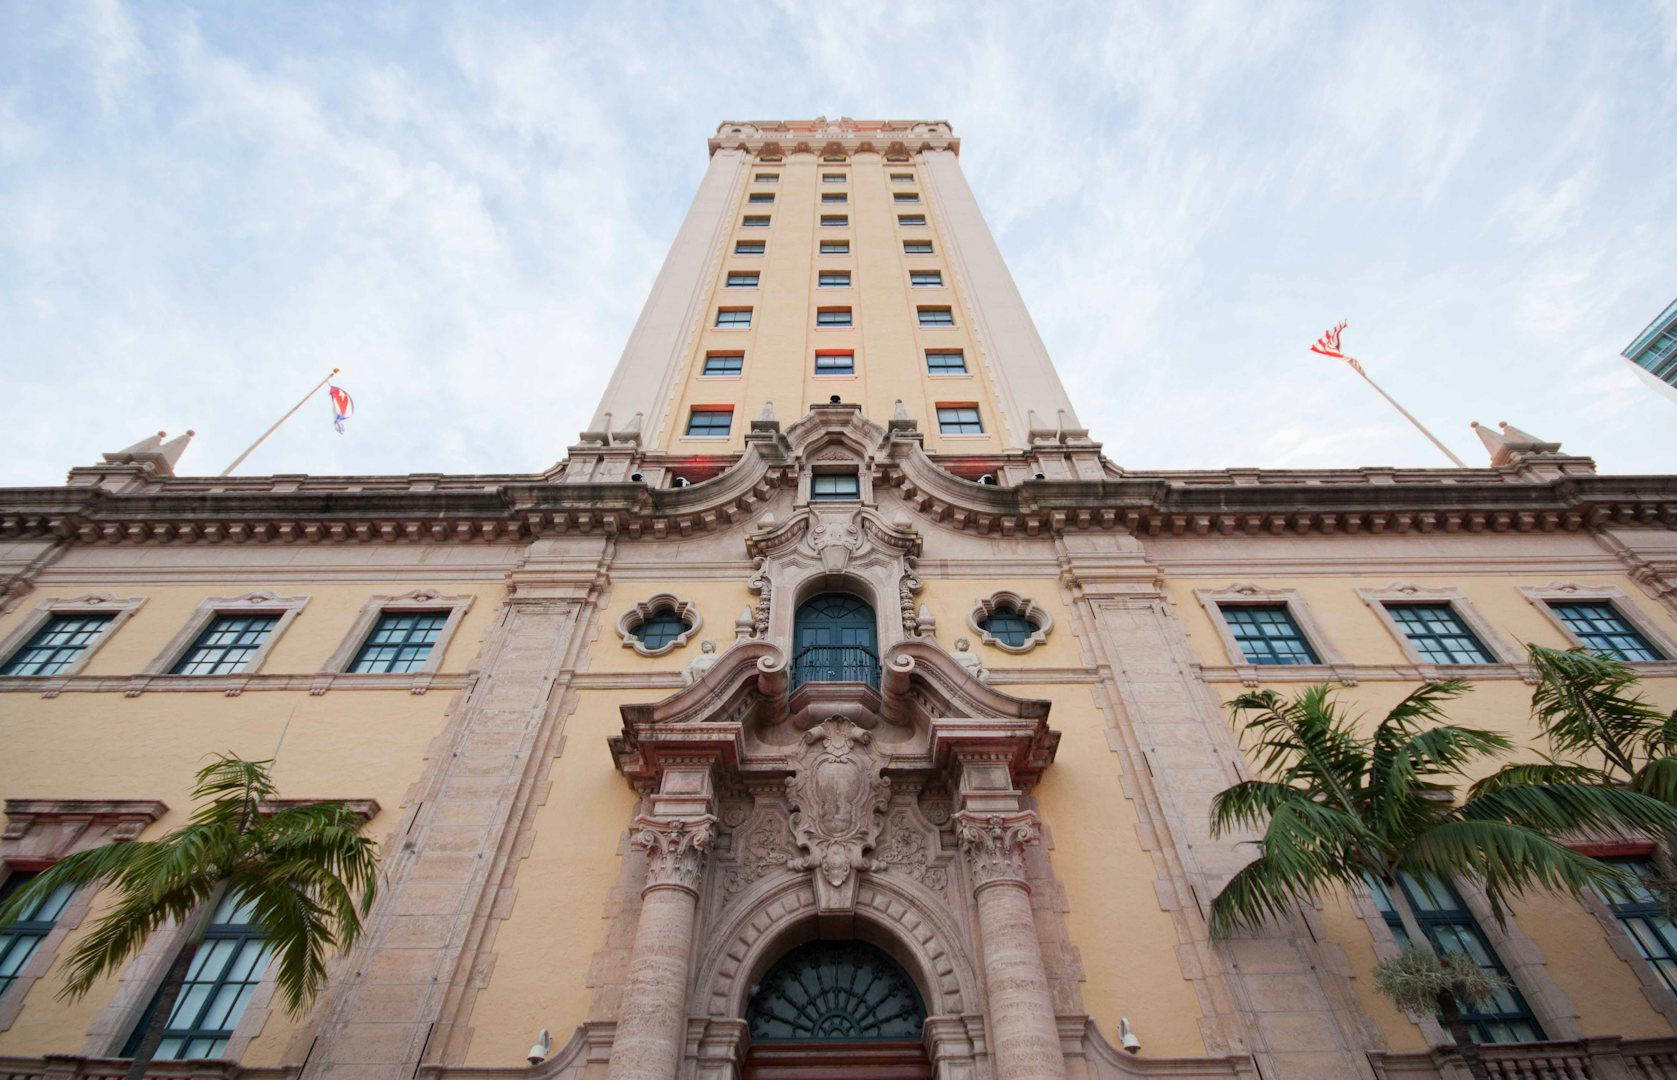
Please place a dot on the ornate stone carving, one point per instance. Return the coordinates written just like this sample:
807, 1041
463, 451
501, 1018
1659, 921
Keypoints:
838, 796
764, 588
907, 586
906, 849
969, 660
835, 539
675, 849
696, 667
761, 849
995, 844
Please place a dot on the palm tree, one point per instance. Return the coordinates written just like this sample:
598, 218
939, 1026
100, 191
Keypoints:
1588, 706
305, 875
1338, 808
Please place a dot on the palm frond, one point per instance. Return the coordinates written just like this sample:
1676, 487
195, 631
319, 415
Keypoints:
1520, 774
82, 868
1307, 741
1249, 804
1507, 858
1585, 702
1578, 811
232, 790
296, 927
1656, 779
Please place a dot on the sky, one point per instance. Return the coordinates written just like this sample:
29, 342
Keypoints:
205, 208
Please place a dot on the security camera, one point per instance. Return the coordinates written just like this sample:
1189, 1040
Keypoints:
834, 400
637, 477
1038, 476
682, 481
1126, 1036
988, 480
544, 1046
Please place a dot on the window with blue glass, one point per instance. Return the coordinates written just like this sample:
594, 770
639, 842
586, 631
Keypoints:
835, 363
724, 363
1451, 928
835, 247
58, 645
1008, 626
1604, 631
1643, 909
401, 642
834, 487
749, 247
20, 940
1267, 634
937, 316
742, 279
959, 420
833, 279
737, 318
226, 645
710, 422
1439, 635
832, 316
660, 628
946, 362
834, 640
835, 991
224, 973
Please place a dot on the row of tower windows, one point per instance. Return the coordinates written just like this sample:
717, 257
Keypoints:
931, 316
830, 247
717, 421
834, 198
834, 279
831, 221
836, 362
832, 178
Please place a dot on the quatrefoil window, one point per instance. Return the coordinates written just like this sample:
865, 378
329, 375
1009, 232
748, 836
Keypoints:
658, 624
1010, 622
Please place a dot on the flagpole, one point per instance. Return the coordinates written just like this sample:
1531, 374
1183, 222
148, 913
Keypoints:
252, 448
1418, 425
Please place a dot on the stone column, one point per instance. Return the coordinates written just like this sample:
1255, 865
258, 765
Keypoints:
1023, 1031
652, 1021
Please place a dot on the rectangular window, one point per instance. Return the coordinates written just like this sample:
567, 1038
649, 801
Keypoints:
946, 362
756, 221
748, 247
1267, 634
937, 316
400, 642
959, 420
911, 219
835, 221
739, 317
767, 178
226, 645
761, 197
1451, 927
19, 941
1642, 909
834, 279
835, 363
710, 421
1439, 634
834, 197
907, 197
902, 178
1603, 630
926, 279
58, 645
832, 178
917, 247
835, 247
742, 279
832, 487
832, 316
730, 363
224, 974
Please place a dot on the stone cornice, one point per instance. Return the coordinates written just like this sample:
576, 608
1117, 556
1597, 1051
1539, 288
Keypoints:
843, 136
1546, 494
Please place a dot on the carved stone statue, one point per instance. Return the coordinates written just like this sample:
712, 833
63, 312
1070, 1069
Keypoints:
975, 667
696, 667
838, 796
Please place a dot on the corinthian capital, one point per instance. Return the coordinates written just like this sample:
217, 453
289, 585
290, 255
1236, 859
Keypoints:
995, 844
675, 849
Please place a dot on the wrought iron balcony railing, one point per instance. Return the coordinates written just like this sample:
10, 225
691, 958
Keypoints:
836, 663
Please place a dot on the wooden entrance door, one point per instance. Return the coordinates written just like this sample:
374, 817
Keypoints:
838, 1061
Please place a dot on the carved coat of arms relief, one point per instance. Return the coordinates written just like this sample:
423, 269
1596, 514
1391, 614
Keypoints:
838, 795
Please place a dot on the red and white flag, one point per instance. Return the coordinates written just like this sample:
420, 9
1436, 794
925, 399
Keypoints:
1328, 345
343, 406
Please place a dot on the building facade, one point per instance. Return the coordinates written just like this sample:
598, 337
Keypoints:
1654, 352
833, 708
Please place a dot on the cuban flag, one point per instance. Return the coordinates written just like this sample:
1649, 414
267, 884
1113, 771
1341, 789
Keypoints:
343, 406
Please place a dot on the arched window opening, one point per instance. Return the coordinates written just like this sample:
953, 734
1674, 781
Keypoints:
1009, 626
834, 640
835, 991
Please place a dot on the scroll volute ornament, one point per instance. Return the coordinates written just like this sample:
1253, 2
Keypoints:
995, 844
839, 797
675, 849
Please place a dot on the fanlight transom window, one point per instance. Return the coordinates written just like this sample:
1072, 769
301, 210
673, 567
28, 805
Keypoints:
835, 991
835, 640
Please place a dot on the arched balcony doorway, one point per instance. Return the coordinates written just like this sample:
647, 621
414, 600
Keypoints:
835, 639
836, 1010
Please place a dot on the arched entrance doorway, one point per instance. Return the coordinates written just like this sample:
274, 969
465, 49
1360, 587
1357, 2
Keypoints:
836, 1010
835, 639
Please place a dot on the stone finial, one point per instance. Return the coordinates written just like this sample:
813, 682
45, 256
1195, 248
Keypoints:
629, 433
152, 450
702, 663
975, 667
768, 411
899, 411
744, 624
1511, 442
926, 621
